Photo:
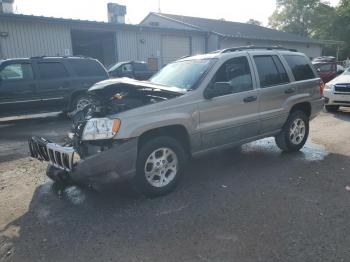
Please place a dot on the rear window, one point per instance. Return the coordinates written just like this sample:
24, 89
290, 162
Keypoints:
52, 70
300, 67
271, 71
326, 67
86, 67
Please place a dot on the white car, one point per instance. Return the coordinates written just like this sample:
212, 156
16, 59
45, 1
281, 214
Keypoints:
337, 92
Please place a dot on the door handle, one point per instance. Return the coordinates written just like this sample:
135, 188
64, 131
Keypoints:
289, 91
249, 99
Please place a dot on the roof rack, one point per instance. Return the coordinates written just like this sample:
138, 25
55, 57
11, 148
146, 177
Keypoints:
252, 47
59, 56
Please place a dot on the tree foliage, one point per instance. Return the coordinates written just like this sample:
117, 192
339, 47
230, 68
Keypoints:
254, 22
314, 18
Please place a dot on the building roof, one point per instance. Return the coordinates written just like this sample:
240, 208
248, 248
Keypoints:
101, 25
235, 29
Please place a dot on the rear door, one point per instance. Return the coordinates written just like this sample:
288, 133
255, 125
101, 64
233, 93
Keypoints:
275, 89
17, 88
54, 84
234, 117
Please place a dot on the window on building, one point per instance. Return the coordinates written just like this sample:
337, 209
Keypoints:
300, 67
86, 67
52, 70
17, 72
237, 73
271, 71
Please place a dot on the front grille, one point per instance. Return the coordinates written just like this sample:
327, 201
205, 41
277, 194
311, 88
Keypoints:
342, 102
344, 88
59, 156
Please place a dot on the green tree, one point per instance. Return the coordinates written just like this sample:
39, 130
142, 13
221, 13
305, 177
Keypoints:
341, 27
303, 17
254, 22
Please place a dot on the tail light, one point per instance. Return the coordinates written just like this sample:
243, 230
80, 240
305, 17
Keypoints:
321, 88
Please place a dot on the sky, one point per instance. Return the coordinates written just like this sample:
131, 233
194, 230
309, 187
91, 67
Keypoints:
231, 10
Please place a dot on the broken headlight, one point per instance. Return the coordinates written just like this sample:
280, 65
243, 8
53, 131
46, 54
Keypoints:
100, 128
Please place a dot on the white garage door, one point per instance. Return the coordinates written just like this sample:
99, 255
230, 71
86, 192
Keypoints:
174, 47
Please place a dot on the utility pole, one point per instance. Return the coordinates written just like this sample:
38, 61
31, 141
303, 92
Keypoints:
159, 11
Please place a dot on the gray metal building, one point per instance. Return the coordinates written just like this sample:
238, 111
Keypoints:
27, 36
224, 34
159, 39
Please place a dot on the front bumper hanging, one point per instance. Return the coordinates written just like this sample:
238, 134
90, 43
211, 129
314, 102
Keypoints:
115, 164
58, 156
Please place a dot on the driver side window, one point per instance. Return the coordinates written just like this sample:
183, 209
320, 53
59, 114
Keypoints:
236, 72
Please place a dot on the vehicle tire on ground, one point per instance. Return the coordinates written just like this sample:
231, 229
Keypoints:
159, 166
331, 108
294, 132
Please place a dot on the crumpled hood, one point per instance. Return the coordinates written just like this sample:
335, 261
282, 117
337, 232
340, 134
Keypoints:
108, 87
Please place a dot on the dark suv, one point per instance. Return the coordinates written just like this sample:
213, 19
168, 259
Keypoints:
47, 84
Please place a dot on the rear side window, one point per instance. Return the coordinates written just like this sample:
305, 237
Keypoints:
87, 67
52, 70
300, 67
271, 71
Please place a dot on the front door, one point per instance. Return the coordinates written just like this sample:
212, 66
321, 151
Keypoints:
17, 89
231, 118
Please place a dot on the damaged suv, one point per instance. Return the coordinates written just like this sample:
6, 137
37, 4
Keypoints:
147, 131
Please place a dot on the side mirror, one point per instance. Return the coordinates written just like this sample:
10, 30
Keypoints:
218, 89
339, 72
318, 70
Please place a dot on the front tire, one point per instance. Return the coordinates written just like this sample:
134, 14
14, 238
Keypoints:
331, 108
294, 133
81, 101
159, 167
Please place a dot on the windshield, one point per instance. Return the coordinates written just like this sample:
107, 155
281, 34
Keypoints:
183, 74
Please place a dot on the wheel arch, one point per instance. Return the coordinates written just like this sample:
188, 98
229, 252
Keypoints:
177, 131
302, 106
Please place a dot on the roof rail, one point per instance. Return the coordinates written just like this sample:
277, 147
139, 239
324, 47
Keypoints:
37, 57
252, 47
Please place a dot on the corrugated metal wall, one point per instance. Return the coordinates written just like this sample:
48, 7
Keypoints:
51, 39
138, 45
34, 39
198, 45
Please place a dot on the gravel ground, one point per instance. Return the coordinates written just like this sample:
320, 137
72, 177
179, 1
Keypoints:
249, 204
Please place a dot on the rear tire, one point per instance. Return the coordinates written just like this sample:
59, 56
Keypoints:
160, 163
294, 133
332, 108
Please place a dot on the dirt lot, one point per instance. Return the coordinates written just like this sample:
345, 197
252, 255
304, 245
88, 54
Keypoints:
247, 204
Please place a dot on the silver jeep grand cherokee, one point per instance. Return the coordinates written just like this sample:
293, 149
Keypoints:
147, 131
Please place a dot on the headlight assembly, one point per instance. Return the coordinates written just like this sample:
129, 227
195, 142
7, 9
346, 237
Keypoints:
100, 128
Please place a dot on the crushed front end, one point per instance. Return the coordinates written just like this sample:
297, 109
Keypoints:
91, 154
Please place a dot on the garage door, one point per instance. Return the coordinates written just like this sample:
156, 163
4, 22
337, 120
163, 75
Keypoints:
174, 47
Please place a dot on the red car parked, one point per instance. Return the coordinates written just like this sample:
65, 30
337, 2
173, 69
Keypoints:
327, 70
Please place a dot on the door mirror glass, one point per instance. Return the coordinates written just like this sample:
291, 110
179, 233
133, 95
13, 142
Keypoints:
218, 89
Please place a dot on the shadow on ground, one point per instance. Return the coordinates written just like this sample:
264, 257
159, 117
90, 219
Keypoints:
248, 204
